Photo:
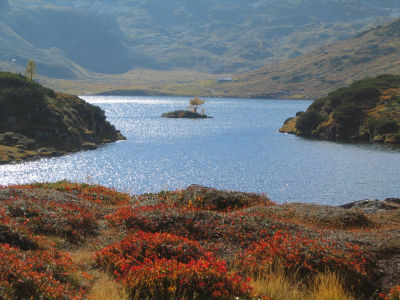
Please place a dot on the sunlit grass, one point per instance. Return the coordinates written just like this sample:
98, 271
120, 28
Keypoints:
276, 284
106, 288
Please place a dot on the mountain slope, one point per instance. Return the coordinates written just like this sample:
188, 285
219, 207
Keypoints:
72, 39
313, 75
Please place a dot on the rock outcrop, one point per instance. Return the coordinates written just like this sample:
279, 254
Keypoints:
367, 110
374, 205
37, 122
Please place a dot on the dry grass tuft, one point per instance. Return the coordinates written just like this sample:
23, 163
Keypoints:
277, 285
328, 286
106, 288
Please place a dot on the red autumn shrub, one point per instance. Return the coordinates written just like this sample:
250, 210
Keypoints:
73, 220
394, 294
205, 278
306, 256
141, 246
92, 193
236, 228
36, 275
16, 235
167, 266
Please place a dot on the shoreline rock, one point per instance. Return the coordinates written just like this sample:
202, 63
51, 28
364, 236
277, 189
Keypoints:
373, 205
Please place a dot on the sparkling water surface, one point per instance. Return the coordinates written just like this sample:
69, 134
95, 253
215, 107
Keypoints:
239, 149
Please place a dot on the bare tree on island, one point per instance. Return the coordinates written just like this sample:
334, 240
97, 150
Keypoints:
30, 70
195, 103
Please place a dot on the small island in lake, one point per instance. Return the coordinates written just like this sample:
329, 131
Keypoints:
190, 113
38, 122
367, 110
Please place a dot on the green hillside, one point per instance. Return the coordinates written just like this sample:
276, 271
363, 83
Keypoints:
76, 39
367, 110
313, 75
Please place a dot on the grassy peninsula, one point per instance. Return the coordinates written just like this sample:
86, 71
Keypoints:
80, 241
367, 110
38, 122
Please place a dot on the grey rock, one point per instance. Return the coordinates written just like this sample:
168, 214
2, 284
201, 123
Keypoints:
373, 205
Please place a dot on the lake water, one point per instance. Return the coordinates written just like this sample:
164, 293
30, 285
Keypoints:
239, 149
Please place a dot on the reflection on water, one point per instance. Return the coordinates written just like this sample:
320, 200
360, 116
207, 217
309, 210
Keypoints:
240, 148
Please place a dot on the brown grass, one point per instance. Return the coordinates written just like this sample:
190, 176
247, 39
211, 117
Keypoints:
105, 288
182, 82
275, 284
8, 154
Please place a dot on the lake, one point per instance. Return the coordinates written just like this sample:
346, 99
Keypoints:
239, 149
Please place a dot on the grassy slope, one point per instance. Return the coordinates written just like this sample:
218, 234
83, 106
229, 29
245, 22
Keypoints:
153, 82
74, 221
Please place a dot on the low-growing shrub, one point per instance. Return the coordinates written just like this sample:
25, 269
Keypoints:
168, 266
70, 219
306, 256
93, 193
141, 246
212, 199
210, 227
394, 294
206, 278
36, 275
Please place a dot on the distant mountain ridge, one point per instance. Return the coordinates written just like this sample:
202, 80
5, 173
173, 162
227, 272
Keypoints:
313, 75
73, 39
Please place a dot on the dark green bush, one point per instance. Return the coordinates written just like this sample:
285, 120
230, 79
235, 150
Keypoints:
10, 80
383, 126
364, 93
19, 95
318, 104
348, 113
308, 121
387, 126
